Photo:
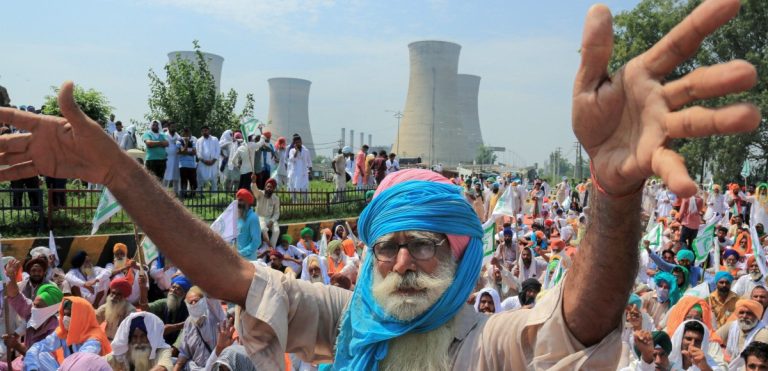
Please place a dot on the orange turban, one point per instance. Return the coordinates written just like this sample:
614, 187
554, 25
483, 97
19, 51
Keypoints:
556, 242
751, 305
349, 247
245, 195
677, 313
737, 246
120, 247
83, 325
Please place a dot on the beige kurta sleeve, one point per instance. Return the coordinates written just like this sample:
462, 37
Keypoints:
536, 339
286, 315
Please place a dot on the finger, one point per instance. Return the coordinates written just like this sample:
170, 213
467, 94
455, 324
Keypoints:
710, 82
683, 41
18, 118
700, 122
671, 168
596, 48
19, 171
69, 108
14, 142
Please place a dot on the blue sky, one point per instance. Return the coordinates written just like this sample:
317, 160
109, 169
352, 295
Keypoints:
354, 52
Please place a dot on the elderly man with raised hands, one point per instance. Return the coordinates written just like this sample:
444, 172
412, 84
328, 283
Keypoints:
424, 251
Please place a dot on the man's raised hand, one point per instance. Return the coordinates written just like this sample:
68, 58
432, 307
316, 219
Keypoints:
74, 146
624, 121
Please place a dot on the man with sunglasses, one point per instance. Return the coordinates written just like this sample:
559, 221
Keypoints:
423, 239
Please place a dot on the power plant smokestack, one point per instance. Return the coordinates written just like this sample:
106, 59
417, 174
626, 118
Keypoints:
289, 109
343, 134
362, 137
431, 128
468, 87
370, 140
352, 139
215, 62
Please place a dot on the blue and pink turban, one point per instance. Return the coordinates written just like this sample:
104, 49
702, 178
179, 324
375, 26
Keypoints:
408, 200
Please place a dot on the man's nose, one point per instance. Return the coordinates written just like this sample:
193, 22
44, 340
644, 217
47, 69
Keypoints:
404, 262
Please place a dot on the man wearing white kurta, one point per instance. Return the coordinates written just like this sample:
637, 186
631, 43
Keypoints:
208, 151
664, 200
299, 166
172, 174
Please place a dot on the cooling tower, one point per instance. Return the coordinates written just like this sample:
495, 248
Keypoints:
467, 88
289, 109
215, 63
431, 128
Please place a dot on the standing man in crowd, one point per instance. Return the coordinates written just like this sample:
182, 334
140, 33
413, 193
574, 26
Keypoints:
392, 163
359, 178
187, 164
119, 133
338, 165
208, 152
299, 166
155, 158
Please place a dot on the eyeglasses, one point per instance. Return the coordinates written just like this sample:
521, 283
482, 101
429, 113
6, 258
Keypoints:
419, 248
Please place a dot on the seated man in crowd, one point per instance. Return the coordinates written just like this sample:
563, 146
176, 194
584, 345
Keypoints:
314, 269
171, 309
501, 279
292, 257
127, 268
487, 301
162, 272
744, 326
36, 268
200, 330
139, 345
268, 210
723, 300
77, 332
117, 307
526, 298
690, 348
40, 311
87, 280
755, 356
306, 245
51, 256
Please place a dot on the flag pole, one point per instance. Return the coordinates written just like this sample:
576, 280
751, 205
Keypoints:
139, 249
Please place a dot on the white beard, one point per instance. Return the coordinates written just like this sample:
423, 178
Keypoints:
139, 357
173, 303
316, 279
408, 307
114, 313
428, 351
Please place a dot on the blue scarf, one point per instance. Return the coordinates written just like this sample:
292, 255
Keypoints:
415, 205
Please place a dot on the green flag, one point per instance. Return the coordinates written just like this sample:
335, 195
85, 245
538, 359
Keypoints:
150, 250
654, 237
108, 206
703, 243
250, 126
489, 240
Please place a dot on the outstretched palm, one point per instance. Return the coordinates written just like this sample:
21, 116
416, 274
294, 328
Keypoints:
625, 121
70, 147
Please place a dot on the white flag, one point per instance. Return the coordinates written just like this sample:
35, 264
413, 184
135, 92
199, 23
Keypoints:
52, 247
654, 237
703, 243
701, 291
505, 204
322, 246
226, 224
108, 206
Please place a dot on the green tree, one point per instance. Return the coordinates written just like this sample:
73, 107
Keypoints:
745, 37
92, 102
188, 97
485, 156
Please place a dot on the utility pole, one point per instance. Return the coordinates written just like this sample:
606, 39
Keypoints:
557, 165
577, 168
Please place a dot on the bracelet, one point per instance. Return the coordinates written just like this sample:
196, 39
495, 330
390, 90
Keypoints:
602, 190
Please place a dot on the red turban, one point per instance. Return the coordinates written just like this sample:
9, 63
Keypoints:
267, 134
271, 181
243, 194
122, 286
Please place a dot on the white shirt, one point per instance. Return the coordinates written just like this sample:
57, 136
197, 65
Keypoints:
392, 166
118, 136
207, 148
298, 165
